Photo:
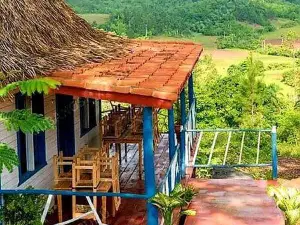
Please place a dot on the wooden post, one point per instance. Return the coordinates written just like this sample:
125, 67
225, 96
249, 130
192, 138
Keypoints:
100, 124
150, 185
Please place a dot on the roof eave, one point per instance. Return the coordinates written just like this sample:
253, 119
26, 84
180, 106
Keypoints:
146, 101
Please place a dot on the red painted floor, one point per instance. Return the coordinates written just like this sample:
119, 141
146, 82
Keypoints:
233, 202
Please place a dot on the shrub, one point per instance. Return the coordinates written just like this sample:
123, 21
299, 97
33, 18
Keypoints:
278, 66
289, 24
22, 209
288, 200
180, 197
278, 51
288, 78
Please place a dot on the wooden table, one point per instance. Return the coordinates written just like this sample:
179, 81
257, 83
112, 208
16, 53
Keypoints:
127, 138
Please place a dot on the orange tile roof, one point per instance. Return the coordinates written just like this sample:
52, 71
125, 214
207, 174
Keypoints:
152, 74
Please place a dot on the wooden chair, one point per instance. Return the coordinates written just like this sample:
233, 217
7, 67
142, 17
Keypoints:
88, 153
85, 176
62, 178
137, 120
112, 126
109, 172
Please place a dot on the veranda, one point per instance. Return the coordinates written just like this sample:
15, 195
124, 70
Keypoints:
154, 76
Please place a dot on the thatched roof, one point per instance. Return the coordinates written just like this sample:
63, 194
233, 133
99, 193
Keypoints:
39, 36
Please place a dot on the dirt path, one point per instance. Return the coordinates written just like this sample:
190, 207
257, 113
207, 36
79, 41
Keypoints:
289, 168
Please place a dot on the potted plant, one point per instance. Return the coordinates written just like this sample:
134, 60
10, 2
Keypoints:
288, 200
179, 199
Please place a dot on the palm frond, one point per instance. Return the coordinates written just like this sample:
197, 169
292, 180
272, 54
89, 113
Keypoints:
25, 121
29, 87
8, 158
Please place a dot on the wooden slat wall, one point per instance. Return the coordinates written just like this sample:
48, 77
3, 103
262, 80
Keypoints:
44, 177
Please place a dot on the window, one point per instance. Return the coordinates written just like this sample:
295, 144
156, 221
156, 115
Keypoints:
87, 115
31, 147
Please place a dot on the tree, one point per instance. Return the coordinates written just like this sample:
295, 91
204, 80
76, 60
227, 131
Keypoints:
23, 120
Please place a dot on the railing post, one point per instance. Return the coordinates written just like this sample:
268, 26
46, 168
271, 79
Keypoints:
171, 126
150, 185
1, 198
182, 132
192, 106
274, 154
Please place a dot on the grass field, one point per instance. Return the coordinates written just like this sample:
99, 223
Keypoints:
209, 42
282, 32
98, 18
227, 57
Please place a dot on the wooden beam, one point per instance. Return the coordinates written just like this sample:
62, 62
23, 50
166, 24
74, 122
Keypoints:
147, 101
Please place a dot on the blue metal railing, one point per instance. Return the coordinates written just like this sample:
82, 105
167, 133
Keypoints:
172, 176
225, 164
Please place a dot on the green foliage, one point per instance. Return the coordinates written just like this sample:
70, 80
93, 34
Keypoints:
278, 66
240, 99
239, 36
289, 77
29, 87
288, 200
8, 158
279, 51
25, 121
180, 197
22, 209
289, 129
216, 18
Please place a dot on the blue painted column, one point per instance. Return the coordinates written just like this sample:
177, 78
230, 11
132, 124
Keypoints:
182, 134
274, 154
150, 185
191, 91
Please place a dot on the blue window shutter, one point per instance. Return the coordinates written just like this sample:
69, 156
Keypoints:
39, 139
21, 138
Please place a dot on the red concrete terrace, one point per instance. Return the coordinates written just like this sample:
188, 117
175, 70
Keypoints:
233, 202
152, 74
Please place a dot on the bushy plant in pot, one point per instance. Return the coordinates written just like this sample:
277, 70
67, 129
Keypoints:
179, 198
288, 200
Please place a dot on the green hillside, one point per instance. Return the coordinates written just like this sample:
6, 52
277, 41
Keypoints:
182, 17
95, 18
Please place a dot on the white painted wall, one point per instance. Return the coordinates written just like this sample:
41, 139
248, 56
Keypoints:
43, 179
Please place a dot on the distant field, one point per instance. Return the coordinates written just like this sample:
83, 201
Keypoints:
280, 32
98, 18
227, 57
209, 42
